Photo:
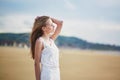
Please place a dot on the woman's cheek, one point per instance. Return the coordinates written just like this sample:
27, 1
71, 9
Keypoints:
51, 29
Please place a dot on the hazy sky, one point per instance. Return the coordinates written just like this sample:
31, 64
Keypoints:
91, 20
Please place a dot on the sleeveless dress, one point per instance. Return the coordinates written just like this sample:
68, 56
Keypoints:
50, 61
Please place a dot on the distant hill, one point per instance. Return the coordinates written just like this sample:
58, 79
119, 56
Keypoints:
62, 41
10, 38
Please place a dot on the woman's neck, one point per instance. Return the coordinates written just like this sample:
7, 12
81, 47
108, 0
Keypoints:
45, 36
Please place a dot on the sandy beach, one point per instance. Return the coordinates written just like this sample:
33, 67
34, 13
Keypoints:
16, 64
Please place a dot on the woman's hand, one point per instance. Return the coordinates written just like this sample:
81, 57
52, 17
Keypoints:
56, 21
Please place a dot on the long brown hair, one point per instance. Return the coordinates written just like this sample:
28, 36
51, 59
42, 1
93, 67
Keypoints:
37, 32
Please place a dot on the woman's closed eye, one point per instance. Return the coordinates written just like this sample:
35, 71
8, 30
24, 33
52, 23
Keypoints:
51, 25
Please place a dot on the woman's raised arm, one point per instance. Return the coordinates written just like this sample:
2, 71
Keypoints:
59, 24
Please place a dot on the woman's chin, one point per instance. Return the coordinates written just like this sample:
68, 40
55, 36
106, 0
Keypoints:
51, 33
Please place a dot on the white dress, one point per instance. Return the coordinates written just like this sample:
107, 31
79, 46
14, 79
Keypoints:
50, 61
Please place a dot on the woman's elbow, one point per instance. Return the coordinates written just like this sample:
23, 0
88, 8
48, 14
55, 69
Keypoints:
60, 24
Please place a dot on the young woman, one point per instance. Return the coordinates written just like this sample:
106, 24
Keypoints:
44, 51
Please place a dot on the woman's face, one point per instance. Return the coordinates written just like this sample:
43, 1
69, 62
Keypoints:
49, 27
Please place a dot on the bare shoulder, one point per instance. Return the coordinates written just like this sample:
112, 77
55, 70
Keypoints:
39, 43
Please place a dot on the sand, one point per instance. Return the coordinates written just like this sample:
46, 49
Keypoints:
16, 64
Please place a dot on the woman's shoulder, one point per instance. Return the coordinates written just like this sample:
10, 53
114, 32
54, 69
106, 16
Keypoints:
39, 40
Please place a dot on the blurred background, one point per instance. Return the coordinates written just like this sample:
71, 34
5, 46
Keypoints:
89, 42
